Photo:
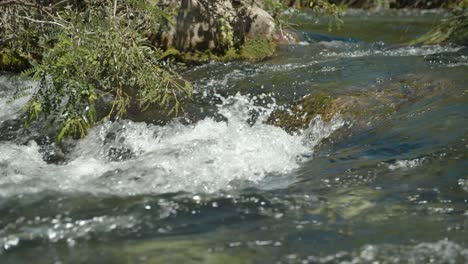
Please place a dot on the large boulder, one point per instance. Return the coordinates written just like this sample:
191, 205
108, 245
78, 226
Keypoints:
215, 25
261, 23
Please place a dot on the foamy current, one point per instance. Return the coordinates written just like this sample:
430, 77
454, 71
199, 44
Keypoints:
129, 158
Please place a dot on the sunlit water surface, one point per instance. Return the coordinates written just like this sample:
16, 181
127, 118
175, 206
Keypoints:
223, 186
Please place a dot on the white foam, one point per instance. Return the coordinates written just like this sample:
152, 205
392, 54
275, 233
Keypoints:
406, 164
203, 157
381, 50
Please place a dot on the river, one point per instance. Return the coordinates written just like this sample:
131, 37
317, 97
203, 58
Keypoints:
222, 185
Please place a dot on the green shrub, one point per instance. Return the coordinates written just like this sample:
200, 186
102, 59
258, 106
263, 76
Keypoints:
105, 61
88, 55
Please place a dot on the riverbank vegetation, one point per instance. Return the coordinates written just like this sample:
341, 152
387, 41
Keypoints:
89, 53
94, 60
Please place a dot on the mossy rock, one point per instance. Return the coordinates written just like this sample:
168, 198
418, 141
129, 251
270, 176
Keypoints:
12, 62
254, 50
349, 204
299, 116
360, 107
181, 251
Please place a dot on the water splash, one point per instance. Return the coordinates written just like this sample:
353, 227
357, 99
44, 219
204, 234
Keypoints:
380, 49
129, 158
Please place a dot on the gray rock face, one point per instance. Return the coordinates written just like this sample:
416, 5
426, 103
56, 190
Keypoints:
215, 25
262, 23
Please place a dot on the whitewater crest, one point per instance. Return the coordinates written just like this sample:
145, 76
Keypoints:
359, 50
129, 158
443, 251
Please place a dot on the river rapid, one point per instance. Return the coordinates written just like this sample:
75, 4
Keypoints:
221, 185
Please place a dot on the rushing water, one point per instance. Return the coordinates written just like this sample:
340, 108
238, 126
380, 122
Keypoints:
388, 185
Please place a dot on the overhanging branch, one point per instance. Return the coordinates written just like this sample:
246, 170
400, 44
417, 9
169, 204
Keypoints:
42, 21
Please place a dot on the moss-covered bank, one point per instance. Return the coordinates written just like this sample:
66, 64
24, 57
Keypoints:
254, 50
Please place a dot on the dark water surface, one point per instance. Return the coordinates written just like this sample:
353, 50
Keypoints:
386, 185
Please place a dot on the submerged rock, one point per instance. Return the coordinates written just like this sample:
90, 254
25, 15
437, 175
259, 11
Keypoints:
300, 114
361, 107
179, 250
349, 204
